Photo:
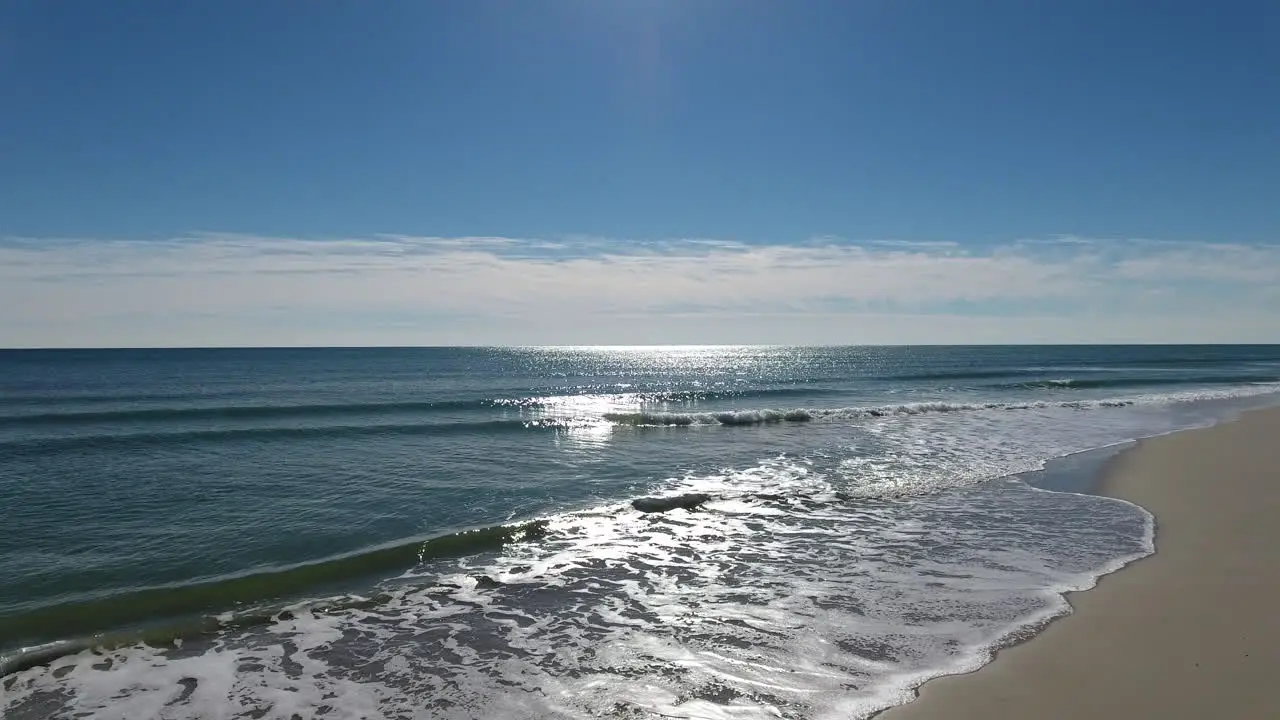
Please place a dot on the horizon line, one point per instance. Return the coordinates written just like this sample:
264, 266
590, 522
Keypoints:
614, 346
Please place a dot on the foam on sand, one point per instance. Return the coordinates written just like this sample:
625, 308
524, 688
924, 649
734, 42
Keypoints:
1187, 632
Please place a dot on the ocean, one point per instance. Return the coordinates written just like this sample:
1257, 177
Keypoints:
458, 532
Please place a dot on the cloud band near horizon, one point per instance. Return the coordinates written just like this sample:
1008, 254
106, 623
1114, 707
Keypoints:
216, 289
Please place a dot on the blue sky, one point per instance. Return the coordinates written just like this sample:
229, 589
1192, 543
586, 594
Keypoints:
616, 171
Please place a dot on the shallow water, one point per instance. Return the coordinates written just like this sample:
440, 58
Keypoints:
862, 532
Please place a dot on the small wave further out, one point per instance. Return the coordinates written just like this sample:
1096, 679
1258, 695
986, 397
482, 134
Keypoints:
1135, 382
759, 417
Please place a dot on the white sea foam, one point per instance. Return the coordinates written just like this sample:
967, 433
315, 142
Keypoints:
783, 598
824, 584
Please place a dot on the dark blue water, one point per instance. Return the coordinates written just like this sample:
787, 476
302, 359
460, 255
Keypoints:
857, 523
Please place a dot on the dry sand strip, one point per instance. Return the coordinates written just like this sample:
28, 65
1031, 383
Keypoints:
1192, 631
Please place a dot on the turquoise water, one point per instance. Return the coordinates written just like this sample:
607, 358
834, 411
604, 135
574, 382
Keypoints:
449, 532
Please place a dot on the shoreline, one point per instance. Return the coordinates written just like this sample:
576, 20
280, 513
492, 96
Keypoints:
1186, 631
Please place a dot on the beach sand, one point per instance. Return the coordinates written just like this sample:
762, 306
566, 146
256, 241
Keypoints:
1192, 631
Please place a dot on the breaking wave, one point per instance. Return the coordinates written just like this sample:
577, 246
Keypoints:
171, 612
758, 417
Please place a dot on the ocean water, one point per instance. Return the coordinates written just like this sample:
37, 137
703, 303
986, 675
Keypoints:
449, 533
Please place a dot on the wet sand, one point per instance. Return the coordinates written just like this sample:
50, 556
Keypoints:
1192, 631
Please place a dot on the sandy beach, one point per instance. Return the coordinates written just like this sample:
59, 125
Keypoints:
1189, 632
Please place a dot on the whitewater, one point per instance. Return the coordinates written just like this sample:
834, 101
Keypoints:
454, 533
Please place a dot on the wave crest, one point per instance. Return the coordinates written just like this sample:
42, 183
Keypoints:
767, 416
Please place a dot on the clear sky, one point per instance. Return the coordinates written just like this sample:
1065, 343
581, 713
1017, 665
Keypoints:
638, 171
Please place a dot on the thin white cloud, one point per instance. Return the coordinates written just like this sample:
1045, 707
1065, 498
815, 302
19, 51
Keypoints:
214, 288
1223, 263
